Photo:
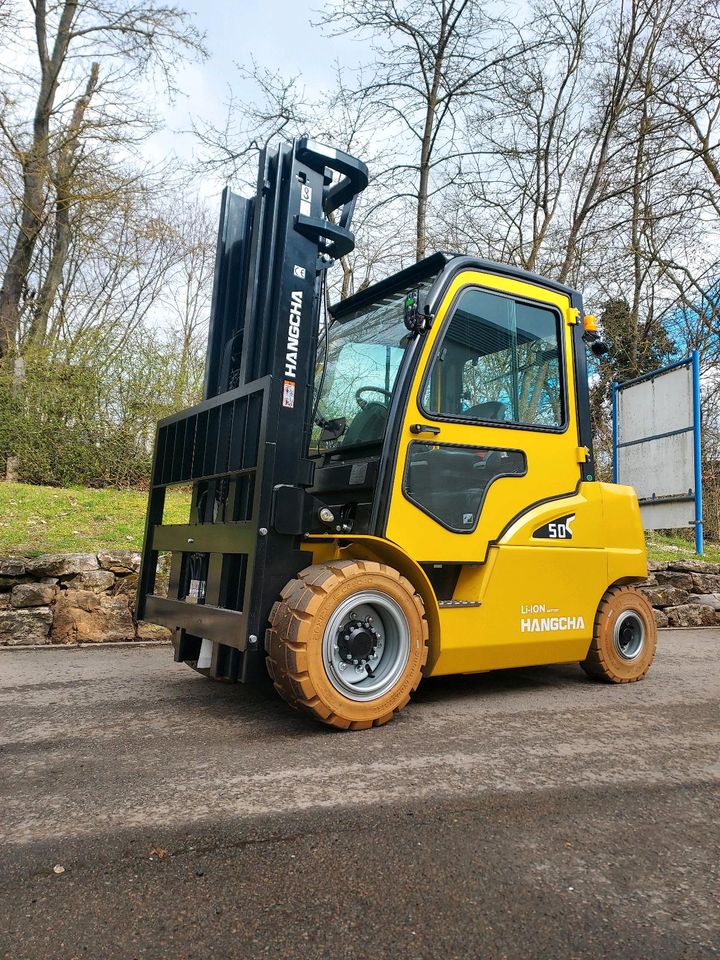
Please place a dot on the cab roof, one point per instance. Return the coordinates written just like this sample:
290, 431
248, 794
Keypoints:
443, 265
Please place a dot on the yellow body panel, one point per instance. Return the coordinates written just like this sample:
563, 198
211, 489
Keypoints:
534, 601
539, 598
524, 588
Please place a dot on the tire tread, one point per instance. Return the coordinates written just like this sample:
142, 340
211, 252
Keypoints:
598, 664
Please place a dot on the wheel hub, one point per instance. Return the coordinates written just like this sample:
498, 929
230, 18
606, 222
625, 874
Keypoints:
357, 641
629, 635
366, 645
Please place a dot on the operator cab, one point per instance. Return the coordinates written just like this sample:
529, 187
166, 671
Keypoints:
497, 362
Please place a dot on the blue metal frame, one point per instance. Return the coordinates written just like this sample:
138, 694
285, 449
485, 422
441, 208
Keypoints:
699, 538
656, 373
694, 361
614, 431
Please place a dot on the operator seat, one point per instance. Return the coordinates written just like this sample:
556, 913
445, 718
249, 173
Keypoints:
490, 410
367, 426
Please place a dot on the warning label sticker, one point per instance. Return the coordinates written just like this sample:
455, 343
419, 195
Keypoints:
288, 393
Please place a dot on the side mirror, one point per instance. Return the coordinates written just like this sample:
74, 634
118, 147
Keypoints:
597, 346
416, 320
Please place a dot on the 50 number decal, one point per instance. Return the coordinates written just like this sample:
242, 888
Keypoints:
560, 529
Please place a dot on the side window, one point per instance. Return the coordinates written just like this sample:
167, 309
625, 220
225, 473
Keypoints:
499, 359
449, 481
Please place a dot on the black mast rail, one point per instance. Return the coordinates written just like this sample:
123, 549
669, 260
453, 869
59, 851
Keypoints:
247, 441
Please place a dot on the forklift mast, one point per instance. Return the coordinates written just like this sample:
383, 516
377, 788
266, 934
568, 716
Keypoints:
244, 449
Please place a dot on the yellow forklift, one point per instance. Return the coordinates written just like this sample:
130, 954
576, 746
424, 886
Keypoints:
401, 487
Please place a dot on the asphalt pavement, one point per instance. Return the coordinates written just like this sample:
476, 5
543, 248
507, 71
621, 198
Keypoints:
146, 812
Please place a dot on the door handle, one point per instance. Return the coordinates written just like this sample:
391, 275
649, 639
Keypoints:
423, 428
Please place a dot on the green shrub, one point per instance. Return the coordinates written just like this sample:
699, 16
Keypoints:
91, 421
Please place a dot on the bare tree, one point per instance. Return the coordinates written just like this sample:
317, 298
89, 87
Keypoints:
117, 33
62, 181
279, 109
526, 141
430, 61
188, 295
690, 87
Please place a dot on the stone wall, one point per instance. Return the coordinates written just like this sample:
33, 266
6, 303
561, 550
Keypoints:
72, 598
89, 598
684, 593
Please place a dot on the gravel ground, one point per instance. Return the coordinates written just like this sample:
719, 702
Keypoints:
527, 814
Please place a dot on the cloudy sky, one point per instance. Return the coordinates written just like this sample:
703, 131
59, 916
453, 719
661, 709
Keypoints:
278, 34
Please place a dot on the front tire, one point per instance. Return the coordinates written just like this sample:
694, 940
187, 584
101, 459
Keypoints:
624, 637
347, 643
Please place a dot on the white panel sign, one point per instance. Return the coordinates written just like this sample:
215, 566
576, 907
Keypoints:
667, 514
655, 446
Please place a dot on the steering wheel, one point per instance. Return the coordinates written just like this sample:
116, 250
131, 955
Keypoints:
362, 403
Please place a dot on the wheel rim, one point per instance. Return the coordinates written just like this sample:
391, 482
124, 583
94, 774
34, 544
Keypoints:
367, 630
629, 635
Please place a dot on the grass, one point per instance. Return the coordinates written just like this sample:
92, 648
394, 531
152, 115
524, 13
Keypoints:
663, 547
35, 520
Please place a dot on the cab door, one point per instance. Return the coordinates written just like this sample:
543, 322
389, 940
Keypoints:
490, 425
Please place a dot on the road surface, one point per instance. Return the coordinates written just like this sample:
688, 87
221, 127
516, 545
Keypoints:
522, 814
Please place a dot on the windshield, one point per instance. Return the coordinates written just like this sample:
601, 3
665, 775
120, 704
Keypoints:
356, 372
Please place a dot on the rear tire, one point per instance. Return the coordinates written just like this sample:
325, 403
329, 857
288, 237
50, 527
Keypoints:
624, 637
347, 642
